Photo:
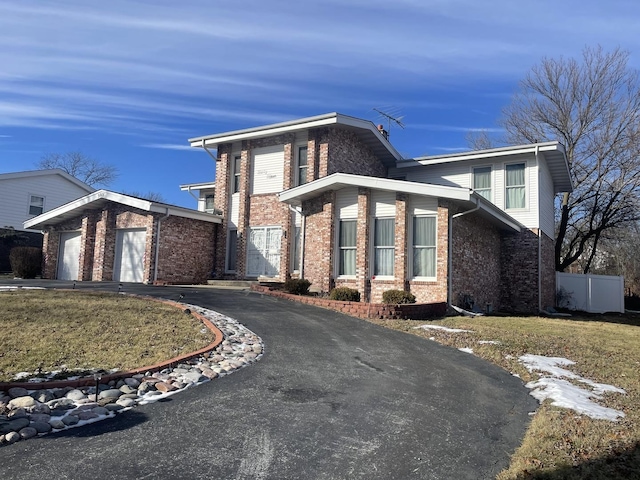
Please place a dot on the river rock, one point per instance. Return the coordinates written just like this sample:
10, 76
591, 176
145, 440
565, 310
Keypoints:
111, 393
132, 382
41, 427
16, 392
12, 437
57, 424
76, 395
70, 420
24, 402
28, 432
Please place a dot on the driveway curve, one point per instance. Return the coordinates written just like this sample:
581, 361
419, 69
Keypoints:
333, 397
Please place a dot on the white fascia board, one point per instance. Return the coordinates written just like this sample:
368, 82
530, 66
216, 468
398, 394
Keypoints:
340, 180
197, 186
482, 154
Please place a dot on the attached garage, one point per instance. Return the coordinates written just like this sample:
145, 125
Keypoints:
109, 236
69, 255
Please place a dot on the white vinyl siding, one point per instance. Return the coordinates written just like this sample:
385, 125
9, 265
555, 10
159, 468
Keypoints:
347, 203
546, 200
419, 205
234, 209
267, 170
15, 196
384, 204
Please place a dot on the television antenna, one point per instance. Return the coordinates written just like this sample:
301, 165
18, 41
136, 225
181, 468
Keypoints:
391, 116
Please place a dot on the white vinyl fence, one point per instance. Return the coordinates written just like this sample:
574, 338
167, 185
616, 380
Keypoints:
590, 293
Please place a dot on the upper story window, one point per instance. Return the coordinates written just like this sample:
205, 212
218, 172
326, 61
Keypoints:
208, 202
347, 247
235, 187
515, 188
36, 205
301, 170
482, 181
384, 246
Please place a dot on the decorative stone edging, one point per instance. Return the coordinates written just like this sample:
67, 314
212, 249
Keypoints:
32, 409
415, 311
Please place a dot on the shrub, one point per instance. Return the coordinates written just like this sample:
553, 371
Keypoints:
26, 262
397, 296
297, 286
345, 294
632, 302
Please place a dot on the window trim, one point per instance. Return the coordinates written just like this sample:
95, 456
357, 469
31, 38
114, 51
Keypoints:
30, 204
339, 248
236, 158
298, 167
526, 187
373, 249
412, 248
491, 178
213, 207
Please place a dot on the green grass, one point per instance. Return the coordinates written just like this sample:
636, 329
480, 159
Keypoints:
46, 329
560, 443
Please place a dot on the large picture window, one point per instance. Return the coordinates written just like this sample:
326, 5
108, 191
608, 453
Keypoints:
347, 245
482, 181
424, 246
515, 186
384, 241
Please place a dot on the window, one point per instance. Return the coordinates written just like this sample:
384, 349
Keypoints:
208, 202
232, 250
482, 181
301, 178
236, 174
347, 245
515, 186
36, 205
296, 249
424, 246
384, 250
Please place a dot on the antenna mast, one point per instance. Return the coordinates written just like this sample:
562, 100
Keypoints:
392, 116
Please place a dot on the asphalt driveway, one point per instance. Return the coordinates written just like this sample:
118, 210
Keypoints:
332, 398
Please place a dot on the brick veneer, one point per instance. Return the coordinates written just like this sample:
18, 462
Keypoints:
347, 154
548, 271
186, 245
318, 256
519, 258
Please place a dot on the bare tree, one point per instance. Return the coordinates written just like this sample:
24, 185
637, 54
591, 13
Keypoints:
592, 107
479, 140
77, 164
151, 196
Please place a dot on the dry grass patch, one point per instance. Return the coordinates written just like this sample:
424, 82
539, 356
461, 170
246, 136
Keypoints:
560, 443
46, 329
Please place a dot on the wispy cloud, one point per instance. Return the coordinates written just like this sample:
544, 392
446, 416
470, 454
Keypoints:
171, 146
453, 128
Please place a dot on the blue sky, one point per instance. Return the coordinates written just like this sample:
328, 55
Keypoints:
128, 82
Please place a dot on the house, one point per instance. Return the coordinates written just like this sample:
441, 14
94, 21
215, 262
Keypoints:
328, 198
23, 195
110, 236
205, 197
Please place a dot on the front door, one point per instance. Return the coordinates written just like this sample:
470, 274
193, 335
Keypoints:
263, 252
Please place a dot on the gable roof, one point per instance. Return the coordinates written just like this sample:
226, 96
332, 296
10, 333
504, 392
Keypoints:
462, 196
101, 197
53, 171
553, 152
366, 130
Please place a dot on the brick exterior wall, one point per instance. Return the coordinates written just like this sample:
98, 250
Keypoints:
519, 258
363, 261
347, 154
548, 262
319, 240
186, 245
476, 262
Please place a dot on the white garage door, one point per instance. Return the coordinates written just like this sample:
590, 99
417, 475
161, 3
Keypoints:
69, 256
130, 247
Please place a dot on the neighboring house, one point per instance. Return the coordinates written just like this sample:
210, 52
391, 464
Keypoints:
328, 198
111, 236
205, 197
24, 195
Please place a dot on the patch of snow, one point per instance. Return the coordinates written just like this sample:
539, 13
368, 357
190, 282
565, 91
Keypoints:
9, 288
466, 350
442, 329
432, 338
489, 342
565, 394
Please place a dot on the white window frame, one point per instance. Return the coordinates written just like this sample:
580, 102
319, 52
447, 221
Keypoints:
413, 247
228, 251
339, 248
491, 179
236, 159
506, 187
31, 204
375, 247
298, 167
212, 197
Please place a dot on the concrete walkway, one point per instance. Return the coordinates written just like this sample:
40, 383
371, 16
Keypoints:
332, 398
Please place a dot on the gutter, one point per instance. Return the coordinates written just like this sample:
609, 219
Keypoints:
157, 252
450, 251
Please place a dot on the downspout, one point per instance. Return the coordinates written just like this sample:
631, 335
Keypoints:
537, 151
208, 151
450, 252
191, 193
157, 252
302, 230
